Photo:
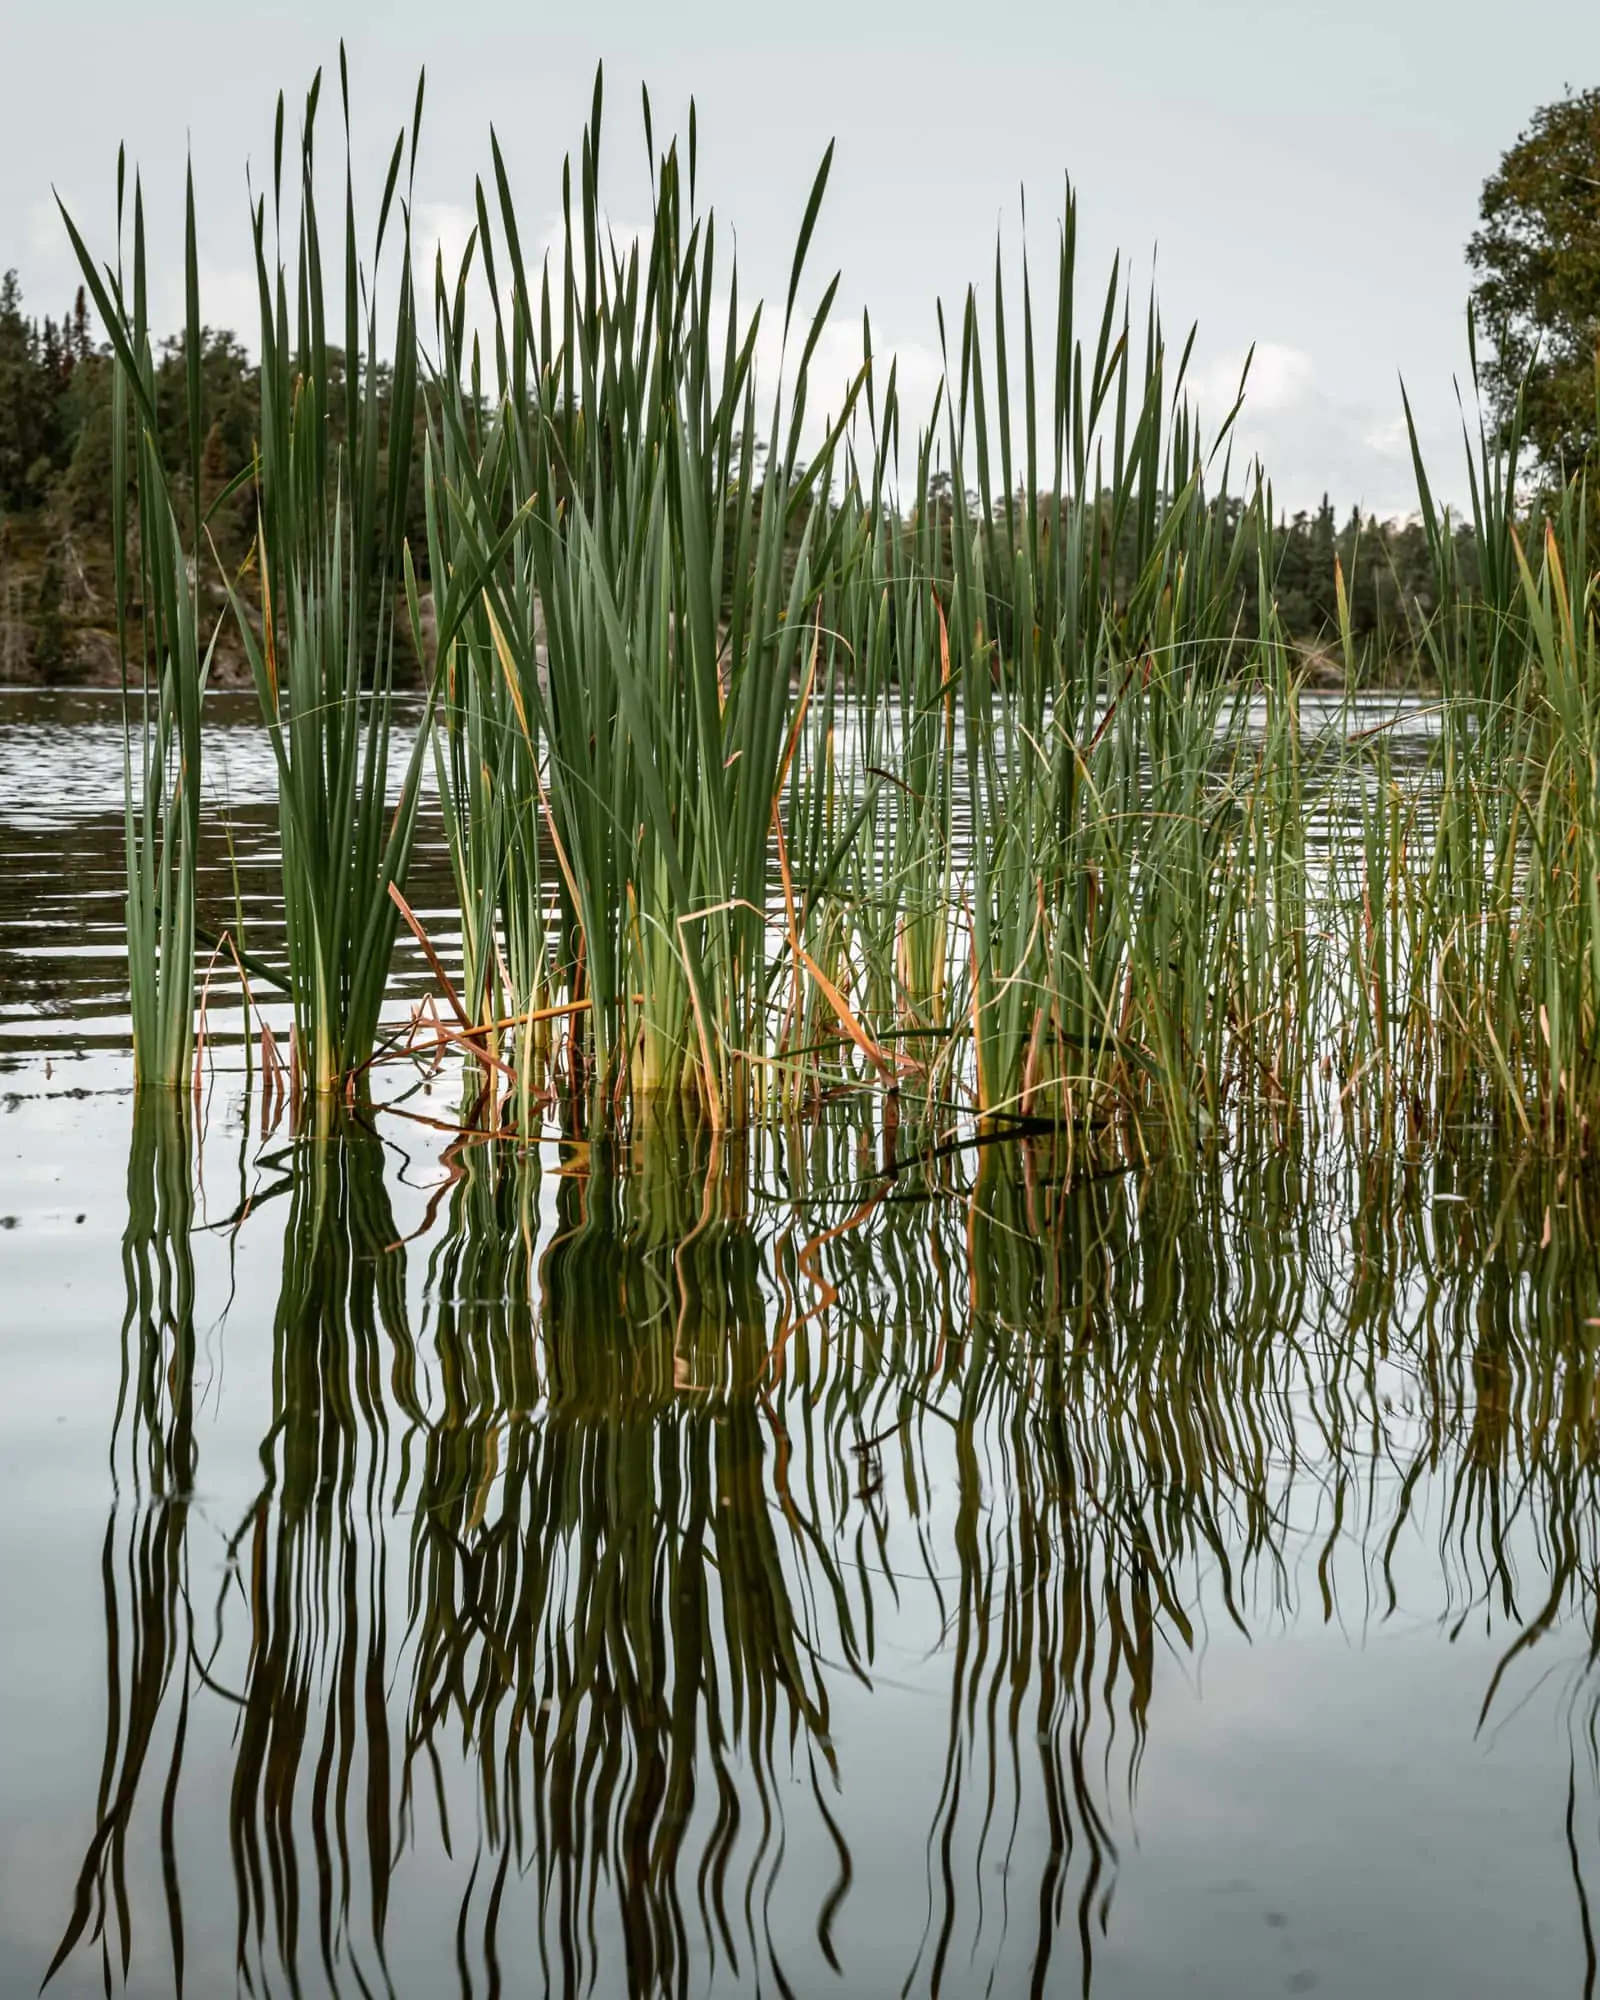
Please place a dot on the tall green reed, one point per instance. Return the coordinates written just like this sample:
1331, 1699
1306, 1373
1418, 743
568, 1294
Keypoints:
337, 438
645, 633
1093, 916
163, 658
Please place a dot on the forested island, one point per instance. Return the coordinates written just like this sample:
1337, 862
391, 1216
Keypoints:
57, 594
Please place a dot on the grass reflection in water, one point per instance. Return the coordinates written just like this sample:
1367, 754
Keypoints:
563, 1585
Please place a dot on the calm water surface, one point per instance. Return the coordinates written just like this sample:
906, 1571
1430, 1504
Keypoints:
798, 1568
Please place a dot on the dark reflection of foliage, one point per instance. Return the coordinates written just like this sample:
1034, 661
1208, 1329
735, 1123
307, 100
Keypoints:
312, 1744
149, 1646
606, 1598
1107, 1361
701, 1415
1172, 1378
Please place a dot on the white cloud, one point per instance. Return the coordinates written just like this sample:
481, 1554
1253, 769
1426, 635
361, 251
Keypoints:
1280, 378
1314, 435
1391, 439
230, 298
440, 229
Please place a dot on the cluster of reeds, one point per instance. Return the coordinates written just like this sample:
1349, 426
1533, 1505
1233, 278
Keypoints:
1469, 898
778, 758
316, 611
640, 661
773, 771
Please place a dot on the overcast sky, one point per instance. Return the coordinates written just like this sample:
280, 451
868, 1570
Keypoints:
1303, 176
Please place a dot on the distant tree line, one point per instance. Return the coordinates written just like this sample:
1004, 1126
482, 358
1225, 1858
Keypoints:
57, 592
1388, 574
56, 468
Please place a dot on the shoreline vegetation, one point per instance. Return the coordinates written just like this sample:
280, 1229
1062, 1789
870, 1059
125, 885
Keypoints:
966, 769
58, 623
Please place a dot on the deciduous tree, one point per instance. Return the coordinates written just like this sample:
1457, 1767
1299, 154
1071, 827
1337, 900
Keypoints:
1537, 298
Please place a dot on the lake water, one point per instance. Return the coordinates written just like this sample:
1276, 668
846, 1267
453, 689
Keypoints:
797, 1568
